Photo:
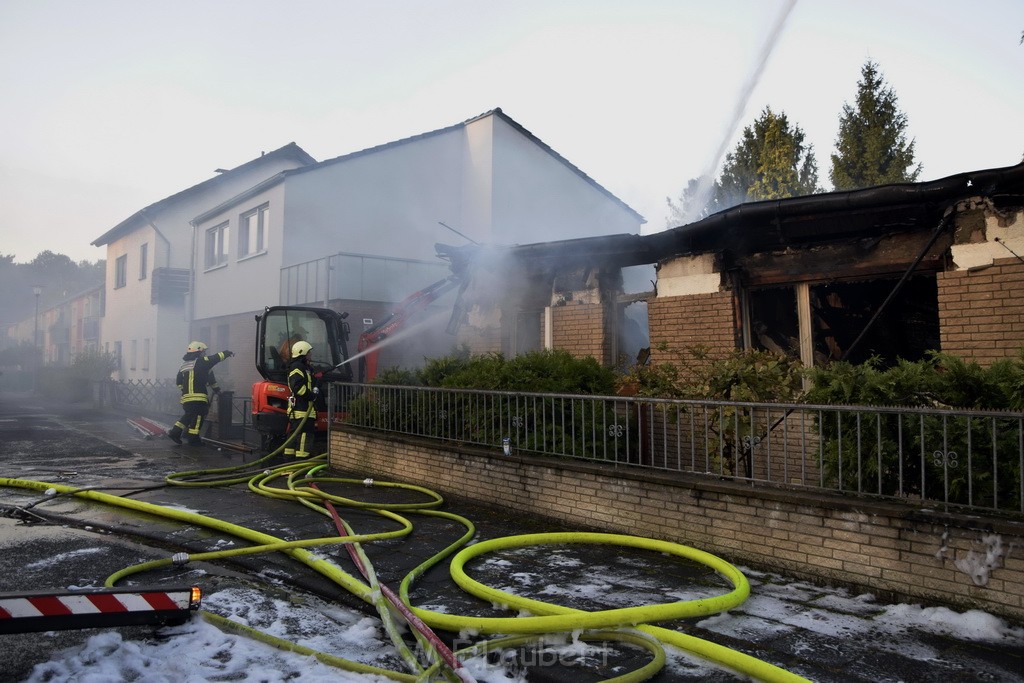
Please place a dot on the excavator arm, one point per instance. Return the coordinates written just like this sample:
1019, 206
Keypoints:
409, 307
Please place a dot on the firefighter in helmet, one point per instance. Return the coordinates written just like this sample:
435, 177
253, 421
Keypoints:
195, 379
302, 403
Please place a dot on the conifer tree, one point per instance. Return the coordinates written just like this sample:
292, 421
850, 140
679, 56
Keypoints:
769, 162
872, 147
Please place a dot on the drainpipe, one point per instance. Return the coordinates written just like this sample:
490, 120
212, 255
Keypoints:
160, 235
192, 279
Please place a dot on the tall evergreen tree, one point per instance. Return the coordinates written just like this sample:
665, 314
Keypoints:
769, 162
872, 147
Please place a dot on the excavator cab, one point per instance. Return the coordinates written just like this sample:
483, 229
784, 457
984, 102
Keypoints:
277, 328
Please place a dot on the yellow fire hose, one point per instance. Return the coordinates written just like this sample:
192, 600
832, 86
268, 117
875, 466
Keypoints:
301, 485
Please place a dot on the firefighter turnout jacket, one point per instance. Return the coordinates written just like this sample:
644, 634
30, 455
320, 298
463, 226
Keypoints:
195, 376
300, 381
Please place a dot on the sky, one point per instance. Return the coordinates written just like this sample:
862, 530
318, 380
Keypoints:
111, 105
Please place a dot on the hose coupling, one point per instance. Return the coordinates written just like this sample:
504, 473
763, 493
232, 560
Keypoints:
367, 482
179, 559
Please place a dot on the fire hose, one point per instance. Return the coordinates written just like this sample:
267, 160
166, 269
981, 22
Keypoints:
304, 486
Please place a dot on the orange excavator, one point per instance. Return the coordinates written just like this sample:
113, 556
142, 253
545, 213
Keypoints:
278, 327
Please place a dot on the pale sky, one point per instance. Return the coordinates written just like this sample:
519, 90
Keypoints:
111, 105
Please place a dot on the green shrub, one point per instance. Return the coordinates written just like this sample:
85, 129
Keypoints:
74, 383
544, 424
924, 454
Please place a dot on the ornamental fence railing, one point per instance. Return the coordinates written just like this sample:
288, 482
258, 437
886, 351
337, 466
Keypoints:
938, 457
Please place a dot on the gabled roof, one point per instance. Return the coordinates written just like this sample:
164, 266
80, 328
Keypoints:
137, 219
497, 112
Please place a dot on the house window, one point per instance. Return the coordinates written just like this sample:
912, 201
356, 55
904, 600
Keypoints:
121, 271
216, 245
134, 354
253, 227
143, 261
145, 354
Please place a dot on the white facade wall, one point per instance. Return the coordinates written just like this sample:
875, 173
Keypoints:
538, 198
129, 315
244, 283
477, 183
386, 203
485, 179
167, 229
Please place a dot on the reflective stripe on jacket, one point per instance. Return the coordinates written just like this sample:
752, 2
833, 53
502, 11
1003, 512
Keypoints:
300, 381
195, 376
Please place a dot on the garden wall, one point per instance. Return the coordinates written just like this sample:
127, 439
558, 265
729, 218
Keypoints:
894, 550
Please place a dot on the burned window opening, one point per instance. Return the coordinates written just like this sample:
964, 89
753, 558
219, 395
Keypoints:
839, 311
774, 324
907, 328
523, 333
632, 333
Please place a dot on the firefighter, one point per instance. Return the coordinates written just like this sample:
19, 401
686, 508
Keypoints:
303, 399
195, 379
285, 349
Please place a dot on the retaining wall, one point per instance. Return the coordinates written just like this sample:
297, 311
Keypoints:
899, 551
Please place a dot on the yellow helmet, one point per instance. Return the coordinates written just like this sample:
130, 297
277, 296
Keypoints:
196, 346
301, 348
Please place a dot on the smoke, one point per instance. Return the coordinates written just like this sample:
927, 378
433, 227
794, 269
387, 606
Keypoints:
706, 181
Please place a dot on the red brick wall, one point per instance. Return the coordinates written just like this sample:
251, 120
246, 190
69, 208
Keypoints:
580, 329
682, 322
981, 313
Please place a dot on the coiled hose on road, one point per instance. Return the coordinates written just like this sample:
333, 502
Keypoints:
301, 483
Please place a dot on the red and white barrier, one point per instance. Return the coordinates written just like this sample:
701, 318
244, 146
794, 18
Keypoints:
94, 608
147, 428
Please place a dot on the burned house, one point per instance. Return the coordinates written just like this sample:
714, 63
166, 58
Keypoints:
891, 271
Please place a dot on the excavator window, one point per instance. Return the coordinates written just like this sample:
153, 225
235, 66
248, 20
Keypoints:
285, 327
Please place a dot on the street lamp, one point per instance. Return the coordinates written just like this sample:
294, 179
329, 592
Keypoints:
37, 290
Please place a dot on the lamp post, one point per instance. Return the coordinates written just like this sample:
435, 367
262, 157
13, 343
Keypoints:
37, 290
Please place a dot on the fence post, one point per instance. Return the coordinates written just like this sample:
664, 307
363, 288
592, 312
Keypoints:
224, 399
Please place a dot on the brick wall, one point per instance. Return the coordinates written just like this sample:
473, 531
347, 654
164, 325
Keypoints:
889, 549
981, 312
683, 322
580, 329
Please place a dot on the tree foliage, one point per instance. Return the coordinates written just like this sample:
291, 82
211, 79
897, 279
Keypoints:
872, 147
57, 276
771, 161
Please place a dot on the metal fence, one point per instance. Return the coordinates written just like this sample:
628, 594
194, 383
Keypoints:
963, 458
230, 416
154, 396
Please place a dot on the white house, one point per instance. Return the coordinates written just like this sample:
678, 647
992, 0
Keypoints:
358, 232
149, 261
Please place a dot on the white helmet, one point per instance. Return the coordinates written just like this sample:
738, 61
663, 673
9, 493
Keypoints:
301, 348
196, 346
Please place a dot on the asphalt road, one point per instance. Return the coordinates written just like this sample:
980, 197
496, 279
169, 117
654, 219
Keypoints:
61, 541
